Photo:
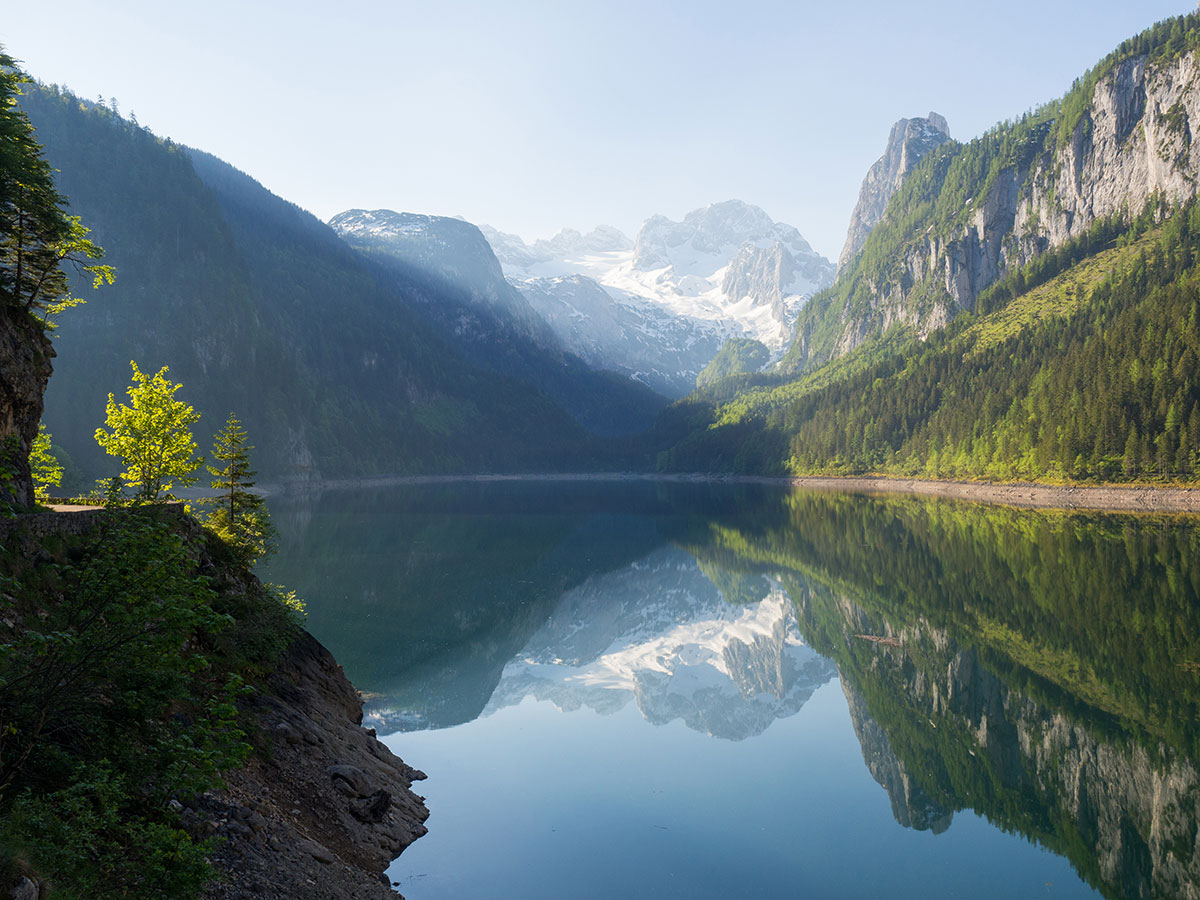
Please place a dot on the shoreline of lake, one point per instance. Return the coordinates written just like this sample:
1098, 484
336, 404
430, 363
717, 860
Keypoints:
1114, 498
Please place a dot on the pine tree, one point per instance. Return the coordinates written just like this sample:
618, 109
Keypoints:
241, 518
37, 237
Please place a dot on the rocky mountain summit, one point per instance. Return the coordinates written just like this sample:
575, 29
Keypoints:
514, 253
676, 292
908, 143
1120, 139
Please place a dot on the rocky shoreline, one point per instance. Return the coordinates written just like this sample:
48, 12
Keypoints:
1116, 498
323, 808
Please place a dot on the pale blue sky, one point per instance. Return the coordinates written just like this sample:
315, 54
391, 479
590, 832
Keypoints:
532, 116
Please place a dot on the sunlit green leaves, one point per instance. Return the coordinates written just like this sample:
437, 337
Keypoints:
152, 435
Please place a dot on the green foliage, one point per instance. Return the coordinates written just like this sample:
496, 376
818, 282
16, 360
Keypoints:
737, 356
36, 236
123, 653
43, 464
1096, 611
1092, 374
240, 517
1084, 625
152, 435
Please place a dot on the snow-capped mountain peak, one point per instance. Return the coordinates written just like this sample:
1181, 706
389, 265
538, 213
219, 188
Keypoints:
726, 270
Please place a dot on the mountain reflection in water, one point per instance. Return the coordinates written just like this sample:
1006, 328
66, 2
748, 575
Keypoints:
1039, 670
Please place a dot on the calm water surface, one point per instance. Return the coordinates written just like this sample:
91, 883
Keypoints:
646, 690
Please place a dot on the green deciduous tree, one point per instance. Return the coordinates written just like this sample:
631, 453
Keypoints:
153, 435
43, 464
241, 518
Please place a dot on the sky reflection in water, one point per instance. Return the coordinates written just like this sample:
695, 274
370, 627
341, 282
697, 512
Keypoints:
619, 695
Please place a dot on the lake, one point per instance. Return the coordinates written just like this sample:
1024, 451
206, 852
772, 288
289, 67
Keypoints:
641, 689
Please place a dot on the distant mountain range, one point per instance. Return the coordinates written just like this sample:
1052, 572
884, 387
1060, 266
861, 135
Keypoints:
339, 362
660, 307
657, 309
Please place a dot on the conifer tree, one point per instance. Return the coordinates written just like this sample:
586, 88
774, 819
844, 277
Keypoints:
241, 518
36, 235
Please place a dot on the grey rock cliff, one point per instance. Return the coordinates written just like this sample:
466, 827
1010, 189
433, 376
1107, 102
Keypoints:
910, 141
323, 812
911, 806
1132, 143
1134, 811
25, 354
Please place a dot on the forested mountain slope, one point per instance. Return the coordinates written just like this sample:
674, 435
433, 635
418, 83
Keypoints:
259, 308
1093, 373
1062, 345
467, 300
968, 214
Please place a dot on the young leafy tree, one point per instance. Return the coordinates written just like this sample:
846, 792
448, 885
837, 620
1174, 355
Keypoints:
43, 464
36, 235
241, 519
153, 435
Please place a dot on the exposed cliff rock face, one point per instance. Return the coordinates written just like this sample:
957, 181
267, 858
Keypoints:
326, 808
1132, 144
909, 142
25, 354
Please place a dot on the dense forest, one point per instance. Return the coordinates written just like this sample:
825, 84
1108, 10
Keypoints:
946, 191
1075, 361
1080, 364
1089, 374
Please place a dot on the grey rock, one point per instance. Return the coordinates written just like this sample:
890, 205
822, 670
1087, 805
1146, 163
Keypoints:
372, 808
319, 852
351, 776
1132, 143
25, 368
628, 335
910, 141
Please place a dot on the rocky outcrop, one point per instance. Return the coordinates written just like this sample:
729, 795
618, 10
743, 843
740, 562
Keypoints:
25, 354
772, 274
909, 142
324, 808
1131, 145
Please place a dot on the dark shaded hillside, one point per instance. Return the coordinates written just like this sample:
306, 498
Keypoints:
259, 308
466, 298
